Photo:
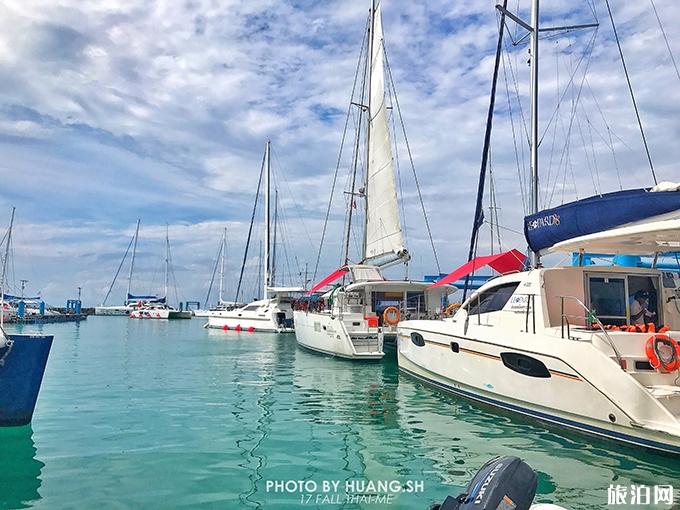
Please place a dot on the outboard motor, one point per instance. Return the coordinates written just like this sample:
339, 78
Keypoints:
503, 483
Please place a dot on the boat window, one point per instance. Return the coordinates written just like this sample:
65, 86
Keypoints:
525, 365
492, 300
251, 308
417, 339
608, 299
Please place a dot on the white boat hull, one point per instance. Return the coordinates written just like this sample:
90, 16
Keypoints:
567, 398
327, 334
267, 316
112, 310
159, 314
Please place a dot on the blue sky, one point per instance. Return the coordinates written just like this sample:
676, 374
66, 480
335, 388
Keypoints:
112, 111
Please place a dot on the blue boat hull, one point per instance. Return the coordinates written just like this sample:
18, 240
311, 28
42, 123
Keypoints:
21, 374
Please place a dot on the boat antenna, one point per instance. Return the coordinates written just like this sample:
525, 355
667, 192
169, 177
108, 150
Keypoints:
479, 208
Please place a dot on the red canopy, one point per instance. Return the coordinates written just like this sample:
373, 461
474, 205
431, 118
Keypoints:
505, 262
335, 275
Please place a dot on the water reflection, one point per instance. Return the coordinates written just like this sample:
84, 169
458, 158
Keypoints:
19, 468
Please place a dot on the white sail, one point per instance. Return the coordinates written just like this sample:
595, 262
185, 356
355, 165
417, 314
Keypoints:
384, 239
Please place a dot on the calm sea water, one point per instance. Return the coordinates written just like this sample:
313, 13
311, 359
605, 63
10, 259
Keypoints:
146, 414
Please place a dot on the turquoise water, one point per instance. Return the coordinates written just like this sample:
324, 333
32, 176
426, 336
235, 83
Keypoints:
150, 414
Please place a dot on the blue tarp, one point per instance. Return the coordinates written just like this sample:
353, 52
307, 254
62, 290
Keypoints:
10, 297
131, 298
596, 214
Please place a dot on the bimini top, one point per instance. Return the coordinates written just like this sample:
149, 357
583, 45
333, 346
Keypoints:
644, 238
360, 273
550, 227
506, 262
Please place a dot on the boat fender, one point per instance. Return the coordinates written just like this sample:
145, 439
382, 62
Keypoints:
503, 482
663, 353
392, 315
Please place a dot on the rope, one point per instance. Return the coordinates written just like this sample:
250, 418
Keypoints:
413, 167
632, 95
663, 32
118, 271
342, 145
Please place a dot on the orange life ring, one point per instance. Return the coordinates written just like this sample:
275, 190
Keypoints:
392, 310
661, 362
451, 309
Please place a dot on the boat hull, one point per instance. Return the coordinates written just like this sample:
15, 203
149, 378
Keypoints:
112, 310
21, 374
326, 334
480, 378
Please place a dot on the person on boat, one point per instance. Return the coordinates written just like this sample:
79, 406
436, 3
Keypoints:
639, 310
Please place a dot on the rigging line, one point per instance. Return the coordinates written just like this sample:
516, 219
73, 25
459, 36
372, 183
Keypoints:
554, 136
587, 156
632, 95
120, 266
342, 144
663, 32
396, 160
250, 229
521, 166
592, 148
410, 157
588, 53
212, 279
517, 94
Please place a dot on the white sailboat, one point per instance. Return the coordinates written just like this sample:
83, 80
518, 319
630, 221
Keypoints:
273, 313
355, 318
564, 345
222, 304
161, 309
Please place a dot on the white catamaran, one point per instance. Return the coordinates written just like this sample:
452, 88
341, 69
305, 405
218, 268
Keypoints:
589, 348
273, 313
357, 316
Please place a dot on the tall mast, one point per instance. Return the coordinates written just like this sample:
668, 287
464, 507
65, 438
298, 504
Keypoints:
276, 219
533, 62
4, 270
224, 248
371, 32
132, 262
167, 260
267, 184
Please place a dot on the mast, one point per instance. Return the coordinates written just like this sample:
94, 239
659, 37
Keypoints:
371, 32
533, 62
267, 184
167, 260
276, 218
224, 248
4, 271
132, 262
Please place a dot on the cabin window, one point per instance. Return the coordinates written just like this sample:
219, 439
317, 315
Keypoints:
525, 365
493, 299
613, 298
251, 308
417, 339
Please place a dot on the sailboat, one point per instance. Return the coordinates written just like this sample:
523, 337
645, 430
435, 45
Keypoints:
221, 303
273, 313
159, 309
357, 317
565, 345
132, 302
22, 360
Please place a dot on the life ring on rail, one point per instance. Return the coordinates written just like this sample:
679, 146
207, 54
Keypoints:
666, 360
451, 309
392, 315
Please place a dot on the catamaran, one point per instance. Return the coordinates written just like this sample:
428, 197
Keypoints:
132, 301
590, 348
273, 313
358, 315
158, 308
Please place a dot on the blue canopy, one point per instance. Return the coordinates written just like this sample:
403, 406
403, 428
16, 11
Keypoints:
596, 214
10, 297
131, 298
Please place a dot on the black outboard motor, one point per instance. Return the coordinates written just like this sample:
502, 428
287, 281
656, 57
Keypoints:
503, 483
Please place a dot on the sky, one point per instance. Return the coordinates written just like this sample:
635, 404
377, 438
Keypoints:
112, 111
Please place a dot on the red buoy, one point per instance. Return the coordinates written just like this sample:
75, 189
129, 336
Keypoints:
251, 329
238, 327
225, 327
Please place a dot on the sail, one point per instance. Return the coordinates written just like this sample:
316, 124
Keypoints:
384, 240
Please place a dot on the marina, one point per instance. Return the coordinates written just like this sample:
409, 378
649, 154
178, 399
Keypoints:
361, 344
133, 411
